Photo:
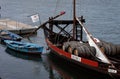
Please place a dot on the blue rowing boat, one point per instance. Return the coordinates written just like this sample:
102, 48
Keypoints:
7, 35
24, 47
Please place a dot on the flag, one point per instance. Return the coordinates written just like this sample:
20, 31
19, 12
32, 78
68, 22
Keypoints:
35, 18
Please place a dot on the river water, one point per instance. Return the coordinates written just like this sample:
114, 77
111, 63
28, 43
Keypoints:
102, 20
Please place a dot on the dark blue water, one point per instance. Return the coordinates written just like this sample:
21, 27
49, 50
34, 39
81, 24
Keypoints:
102, 20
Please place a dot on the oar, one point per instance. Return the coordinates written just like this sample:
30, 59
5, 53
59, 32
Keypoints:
42, 25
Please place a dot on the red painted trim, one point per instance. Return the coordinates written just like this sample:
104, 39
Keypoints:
89, 62
68, 55
61, 52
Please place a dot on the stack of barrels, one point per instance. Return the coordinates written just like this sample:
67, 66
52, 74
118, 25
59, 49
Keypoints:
109, 48
87, 51
79, 49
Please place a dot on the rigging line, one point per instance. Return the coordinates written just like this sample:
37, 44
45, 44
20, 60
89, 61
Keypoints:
56, 6
79, 9
71, 11
68, 37
63, 30
66, 33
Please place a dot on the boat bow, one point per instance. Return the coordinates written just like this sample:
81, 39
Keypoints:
99, 53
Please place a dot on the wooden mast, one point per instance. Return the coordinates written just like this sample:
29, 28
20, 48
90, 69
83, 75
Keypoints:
74, 19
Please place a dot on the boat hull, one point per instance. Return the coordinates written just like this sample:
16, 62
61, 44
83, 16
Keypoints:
79, 62
76, 67
24, 49
7, 35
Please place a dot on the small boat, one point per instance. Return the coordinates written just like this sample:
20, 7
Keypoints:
7, 35
24, 47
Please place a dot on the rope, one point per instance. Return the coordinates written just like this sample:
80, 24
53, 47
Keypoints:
56, 6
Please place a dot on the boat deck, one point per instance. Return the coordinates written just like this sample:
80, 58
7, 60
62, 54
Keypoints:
16, 27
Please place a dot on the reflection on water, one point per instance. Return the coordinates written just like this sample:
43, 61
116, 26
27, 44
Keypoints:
23, 55
57, 68
60, 69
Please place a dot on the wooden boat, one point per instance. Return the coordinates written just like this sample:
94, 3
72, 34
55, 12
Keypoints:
69, 72
24, 47
93, 54
7, 35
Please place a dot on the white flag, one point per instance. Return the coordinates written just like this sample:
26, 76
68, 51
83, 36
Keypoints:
35, 18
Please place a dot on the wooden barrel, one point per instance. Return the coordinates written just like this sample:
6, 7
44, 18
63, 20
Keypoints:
84, 51
109, 48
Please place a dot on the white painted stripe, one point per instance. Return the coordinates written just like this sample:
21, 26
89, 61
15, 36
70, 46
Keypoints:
76, 58
112, 71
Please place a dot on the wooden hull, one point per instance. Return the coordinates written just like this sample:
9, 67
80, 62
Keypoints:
73, 68
7, 35
69, 70
92, 66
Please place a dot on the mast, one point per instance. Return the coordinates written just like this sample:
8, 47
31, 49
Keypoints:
74, 18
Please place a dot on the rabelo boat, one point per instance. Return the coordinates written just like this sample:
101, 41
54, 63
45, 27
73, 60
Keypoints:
93, 54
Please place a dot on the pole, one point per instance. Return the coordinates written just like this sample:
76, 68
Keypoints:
39, 19
74, 18
0, 13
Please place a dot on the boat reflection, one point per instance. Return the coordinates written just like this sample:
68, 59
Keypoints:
55, 72
23, 55
58, 69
